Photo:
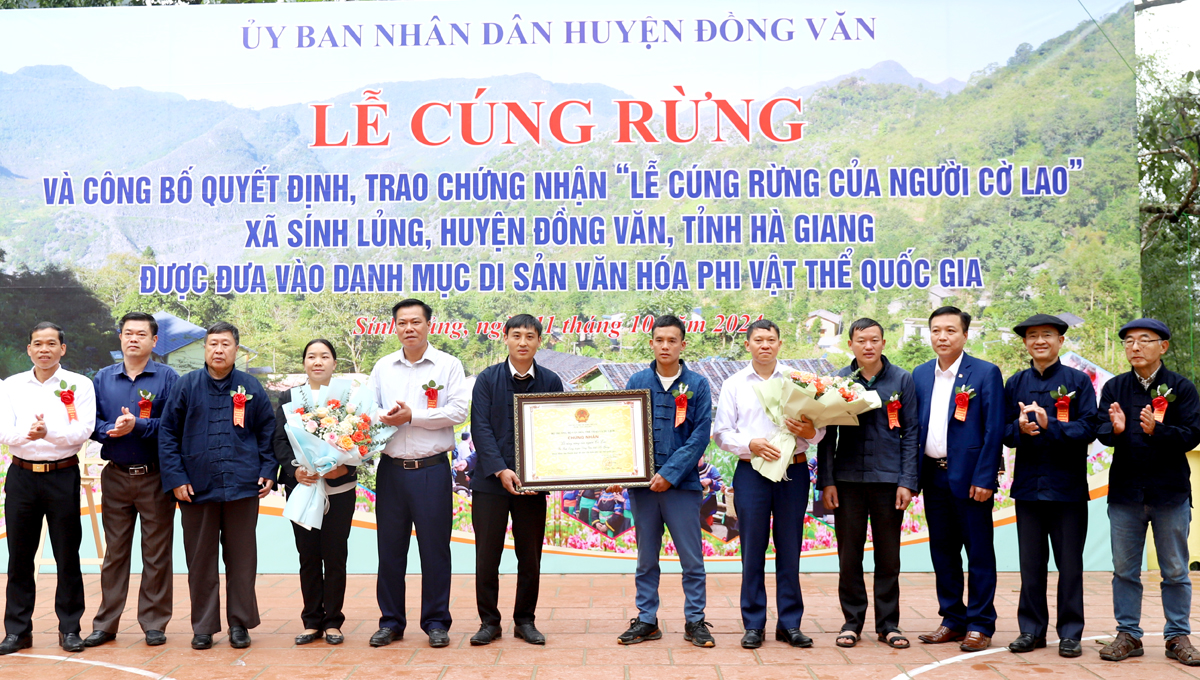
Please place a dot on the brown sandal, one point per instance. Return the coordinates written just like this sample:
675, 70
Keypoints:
894, 639
1180, 648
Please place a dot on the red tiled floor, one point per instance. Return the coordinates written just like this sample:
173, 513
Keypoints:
581, 616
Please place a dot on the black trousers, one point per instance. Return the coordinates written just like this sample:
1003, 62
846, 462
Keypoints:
1064, 523
230, 526
489, 516
323, 564
859, 503
30, 497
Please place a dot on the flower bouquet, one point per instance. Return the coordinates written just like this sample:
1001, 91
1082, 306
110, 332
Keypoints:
328, 429
825, 400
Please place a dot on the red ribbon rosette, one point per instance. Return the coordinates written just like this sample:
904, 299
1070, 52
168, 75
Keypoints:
144, 408
239, 410
1159, 404
1063, 405
431, 396
893, 411
680, 409
67, 397
961, 401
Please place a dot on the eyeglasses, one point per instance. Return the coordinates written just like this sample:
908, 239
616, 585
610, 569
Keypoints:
1141, 342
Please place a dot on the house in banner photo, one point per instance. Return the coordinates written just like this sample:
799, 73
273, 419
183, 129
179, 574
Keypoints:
181, 346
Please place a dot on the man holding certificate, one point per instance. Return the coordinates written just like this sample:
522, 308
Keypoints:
743, 427
496, 490
682, 411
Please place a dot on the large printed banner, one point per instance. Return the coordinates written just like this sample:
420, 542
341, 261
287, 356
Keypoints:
298, 168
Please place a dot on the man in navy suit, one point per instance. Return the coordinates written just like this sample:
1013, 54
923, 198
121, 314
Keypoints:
962, 425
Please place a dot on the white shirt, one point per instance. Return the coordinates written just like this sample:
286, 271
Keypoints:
740, 417
430, 431
667, 380
939, 408
517, 374
23, 398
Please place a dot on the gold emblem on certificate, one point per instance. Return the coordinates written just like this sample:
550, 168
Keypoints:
584, 440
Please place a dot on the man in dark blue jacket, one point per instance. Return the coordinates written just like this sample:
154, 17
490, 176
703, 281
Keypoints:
870, 471
214, 446
682, 423
1050, 410
962, 427
495, 488
1151, 417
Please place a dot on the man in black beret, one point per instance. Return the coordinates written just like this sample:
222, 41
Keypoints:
1050, 413
1151, 418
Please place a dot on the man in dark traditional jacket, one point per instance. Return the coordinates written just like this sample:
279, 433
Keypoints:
215, 454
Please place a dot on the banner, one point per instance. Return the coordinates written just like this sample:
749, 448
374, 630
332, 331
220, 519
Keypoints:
297, 169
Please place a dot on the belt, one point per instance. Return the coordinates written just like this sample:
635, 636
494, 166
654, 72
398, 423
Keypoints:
799, 458
940, 463
418, 463
49, 466
136, 470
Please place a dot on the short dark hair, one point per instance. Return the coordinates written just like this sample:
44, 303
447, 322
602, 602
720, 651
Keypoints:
862, 325
762, 324
413, 302
223, 327
669, 321
138, 316
319, 341
952, 311
523, 321
46, 325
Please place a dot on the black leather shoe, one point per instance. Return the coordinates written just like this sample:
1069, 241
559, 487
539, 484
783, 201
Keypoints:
155, 638
238, 637
1070, 648
15, 643
384, 637
752, 639
439, 637
201, 641
70, 642
639, 631
1026, 642
793, 637
529, 633
98, 637
307, 638
334, 638
485, 635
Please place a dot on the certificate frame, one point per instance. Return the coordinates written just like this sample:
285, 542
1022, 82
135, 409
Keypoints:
526, 436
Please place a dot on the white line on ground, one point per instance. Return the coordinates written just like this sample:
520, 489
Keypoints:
909, 675
136, 671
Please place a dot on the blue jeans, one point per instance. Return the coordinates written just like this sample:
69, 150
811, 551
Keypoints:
1127, 523
679, 511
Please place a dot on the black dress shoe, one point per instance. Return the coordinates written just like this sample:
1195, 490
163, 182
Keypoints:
485, 635
15, 643
529, 633
384, 637
334, 638
1026, 642
752, 639
1070, 648
155, 638
793, 637
70, 642
306, 638
239, 638
439, 637
201, 641
98, 637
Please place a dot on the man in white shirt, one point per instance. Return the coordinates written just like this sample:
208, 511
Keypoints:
743, 427
46, 415
422, 391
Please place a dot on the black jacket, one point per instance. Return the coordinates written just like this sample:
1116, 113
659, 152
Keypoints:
492, 421
1151, 469
1051, 466
871, 452
285, 455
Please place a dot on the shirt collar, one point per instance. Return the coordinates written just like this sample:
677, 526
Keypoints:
32, 379
953, 370
513, 370
780, 370
1050, 371
430, 355
149, 369
1147, 383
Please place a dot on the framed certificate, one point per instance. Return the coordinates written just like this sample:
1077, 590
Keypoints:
583, 440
